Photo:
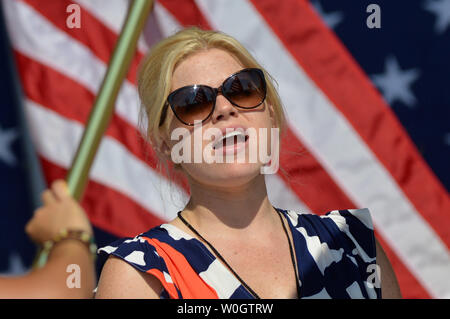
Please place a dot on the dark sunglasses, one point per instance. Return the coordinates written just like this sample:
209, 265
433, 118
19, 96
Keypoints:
245, 89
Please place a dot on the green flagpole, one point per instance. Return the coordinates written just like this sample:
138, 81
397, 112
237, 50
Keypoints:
104, 104
103, 108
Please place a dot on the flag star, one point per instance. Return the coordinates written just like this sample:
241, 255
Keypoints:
447, 139
332, 19
441, 9
395, 83
7, 137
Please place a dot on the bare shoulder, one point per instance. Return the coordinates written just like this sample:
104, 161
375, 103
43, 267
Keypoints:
119, 279
389, 285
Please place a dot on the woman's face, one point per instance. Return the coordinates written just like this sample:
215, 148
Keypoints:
212, 67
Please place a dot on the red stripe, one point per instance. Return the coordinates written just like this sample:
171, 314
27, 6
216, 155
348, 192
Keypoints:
92, 33
410, 287
307, 178
187, 13
107, 208
324, 58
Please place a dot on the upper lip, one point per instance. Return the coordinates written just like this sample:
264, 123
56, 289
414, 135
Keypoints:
232, 128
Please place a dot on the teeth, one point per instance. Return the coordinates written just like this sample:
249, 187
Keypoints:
228, 135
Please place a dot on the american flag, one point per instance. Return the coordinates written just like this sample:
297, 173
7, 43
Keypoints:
365, 89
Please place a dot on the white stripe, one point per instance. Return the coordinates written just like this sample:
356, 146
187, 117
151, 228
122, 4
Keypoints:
34, 36
281, 196
112, 15
339, 148
167, 23
56, 138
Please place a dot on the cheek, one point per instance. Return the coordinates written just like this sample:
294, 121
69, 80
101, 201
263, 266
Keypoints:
267, 136
262, 124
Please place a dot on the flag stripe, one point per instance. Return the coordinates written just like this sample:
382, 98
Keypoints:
92, 34
112, 15
281, 196
165, 20
410, 287
107, 208
323, 57
307, 178
325, 132
187, 13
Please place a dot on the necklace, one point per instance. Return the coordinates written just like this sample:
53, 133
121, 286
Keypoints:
291, 250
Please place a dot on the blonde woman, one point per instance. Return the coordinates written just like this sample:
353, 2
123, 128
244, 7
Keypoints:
230, 241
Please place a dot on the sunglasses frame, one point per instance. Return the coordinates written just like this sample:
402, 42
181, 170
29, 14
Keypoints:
216, 92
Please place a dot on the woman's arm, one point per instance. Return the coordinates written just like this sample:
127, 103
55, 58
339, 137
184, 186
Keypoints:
54, 280
121, 280
389, 285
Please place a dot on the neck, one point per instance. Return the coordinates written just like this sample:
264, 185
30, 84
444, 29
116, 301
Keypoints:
234, 209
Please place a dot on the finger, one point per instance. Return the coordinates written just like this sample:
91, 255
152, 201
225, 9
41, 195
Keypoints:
60, 189
48, 197
28, 227
31, 224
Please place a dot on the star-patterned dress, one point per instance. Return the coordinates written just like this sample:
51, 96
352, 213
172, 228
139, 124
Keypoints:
336, 258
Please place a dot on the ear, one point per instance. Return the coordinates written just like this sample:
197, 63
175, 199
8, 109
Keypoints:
161, 148
164, 149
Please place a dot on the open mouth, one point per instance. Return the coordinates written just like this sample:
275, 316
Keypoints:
231, 139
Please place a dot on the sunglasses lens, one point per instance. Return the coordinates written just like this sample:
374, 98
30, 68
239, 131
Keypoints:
192, 103
246, 89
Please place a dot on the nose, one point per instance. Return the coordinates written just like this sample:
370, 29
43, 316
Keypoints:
223, 109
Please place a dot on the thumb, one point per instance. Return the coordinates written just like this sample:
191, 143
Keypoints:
60, 188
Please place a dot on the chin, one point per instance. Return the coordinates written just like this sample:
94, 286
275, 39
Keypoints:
226, 174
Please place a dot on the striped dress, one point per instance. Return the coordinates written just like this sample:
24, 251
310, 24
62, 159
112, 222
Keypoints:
336, 258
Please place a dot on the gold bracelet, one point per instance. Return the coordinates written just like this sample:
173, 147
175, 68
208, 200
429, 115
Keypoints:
80, 235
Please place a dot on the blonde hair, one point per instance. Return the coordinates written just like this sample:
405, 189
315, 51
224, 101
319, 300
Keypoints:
156, 69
